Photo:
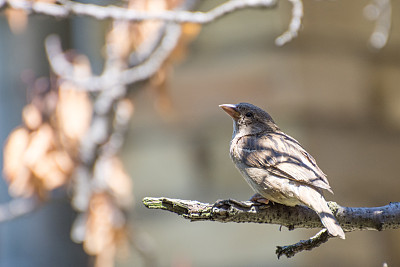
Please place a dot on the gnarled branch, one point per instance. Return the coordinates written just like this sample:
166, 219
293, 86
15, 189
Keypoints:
351, 219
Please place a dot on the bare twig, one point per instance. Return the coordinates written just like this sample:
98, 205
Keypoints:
295, 23
38, 7
350, 219
309, 244
18, 207
58, 62
147, 65
67, 8
154, 62
64, 69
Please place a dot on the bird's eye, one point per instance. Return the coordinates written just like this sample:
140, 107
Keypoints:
249, 114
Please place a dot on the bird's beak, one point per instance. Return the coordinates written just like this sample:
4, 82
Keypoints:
231, 110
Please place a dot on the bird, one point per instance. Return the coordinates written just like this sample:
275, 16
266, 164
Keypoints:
276, 166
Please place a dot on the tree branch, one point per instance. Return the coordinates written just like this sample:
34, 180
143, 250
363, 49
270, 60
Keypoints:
151, 62
66, 8
149, 67
294, 25
309, 244
350, 219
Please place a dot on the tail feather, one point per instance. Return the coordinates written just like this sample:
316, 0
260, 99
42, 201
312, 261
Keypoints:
316, 201
330, 222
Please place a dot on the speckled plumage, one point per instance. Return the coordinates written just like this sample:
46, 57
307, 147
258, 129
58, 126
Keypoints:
275, 165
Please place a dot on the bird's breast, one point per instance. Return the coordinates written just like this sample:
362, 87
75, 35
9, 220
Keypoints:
276, 189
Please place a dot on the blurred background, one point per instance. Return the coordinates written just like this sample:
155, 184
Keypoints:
327, 88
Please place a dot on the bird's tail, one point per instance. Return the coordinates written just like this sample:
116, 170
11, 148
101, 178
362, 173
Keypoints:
330, 222
319, 205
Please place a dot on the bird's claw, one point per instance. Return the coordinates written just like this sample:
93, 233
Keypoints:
257, 198
229, 202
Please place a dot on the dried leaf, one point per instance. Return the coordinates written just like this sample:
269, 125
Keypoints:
17, 19
48, 171
163, 101
124, 111
63, 161
15, 172
54, 169
73, 112
120, 183
41, 141
111, 177
145, 33
21, 185
102, 224
82, 68
118, 40
14, 150
31, 117
189, 33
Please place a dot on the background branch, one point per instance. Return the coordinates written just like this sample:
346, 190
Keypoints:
66, 8
294, 25
309, 244
18, 207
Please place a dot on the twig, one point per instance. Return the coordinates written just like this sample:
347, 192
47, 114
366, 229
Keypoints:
154, 62
63, 68
309, 244
38, 7
58, 62
295, 23
17, 207
148, 65
67, 8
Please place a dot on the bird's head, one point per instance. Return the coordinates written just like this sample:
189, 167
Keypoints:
249, 119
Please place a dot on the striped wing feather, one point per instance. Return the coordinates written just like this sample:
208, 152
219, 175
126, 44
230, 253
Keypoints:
281, 155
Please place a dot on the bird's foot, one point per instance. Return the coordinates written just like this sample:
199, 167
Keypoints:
259, 199
229, 202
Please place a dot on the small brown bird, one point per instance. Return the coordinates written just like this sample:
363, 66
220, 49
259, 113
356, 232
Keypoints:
275, 165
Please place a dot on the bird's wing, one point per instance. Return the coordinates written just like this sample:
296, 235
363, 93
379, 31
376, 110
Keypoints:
281, 155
